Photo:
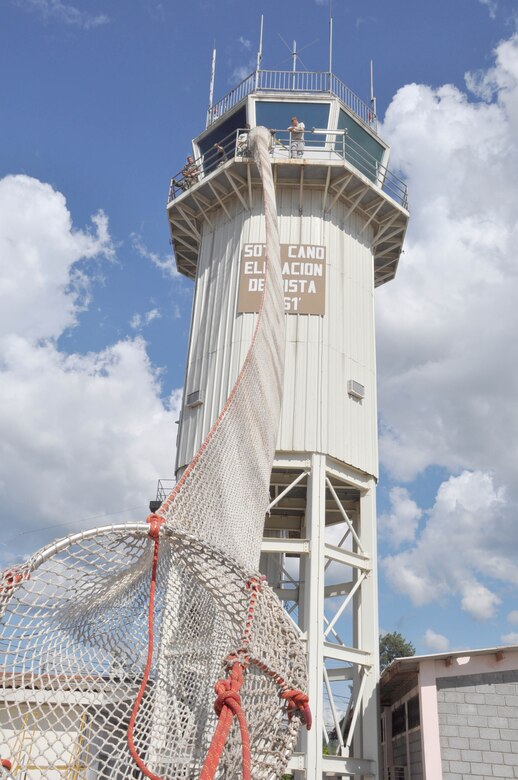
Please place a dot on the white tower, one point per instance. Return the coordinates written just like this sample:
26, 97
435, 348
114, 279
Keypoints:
342, 219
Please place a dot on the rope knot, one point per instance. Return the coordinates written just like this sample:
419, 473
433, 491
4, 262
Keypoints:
240, 657
228, 707
298, 701
255, 583
10, 578
155, 522
227, 696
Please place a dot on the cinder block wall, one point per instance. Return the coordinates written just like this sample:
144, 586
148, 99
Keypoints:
414, 761
478, 724
416, 755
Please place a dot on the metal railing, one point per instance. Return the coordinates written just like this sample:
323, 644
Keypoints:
164, 487
231, 99
293, 81
323, 145
362, 110
220, 153
397, 773
302, 81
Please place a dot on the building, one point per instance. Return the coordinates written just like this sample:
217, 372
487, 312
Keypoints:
45, 729
451, 716
342, 219
66, 727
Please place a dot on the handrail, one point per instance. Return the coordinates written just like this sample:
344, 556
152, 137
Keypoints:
205, 164
340, 147
303, 81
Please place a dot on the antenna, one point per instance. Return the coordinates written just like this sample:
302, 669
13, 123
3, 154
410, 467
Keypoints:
330, 36
259, 54
373, 99
330, 44
294, 54
212, 76
260, 50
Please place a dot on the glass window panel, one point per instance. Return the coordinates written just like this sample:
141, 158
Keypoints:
361, 149
224, 135
276, 115
398, 720
414, 716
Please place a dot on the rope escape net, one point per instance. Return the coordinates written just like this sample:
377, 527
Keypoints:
113, 640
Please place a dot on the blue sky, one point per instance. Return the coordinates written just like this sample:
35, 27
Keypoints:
99, 102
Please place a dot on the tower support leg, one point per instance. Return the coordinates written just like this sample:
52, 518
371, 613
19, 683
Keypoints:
332, 596
312, 579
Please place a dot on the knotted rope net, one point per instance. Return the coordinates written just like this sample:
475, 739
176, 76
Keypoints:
157, 650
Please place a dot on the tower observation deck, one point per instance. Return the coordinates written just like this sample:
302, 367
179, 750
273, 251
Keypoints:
342, 216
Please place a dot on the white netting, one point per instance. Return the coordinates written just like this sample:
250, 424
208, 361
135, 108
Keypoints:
74, 618
223, 495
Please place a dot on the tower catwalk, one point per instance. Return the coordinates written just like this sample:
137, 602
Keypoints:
342, 219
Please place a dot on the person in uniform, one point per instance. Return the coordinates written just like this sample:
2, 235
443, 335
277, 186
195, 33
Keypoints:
296, 130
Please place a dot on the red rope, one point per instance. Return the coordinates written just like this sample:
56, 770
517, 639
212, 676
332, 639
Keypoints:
298, 701
228, 701
228, 704
155, 522
11, 578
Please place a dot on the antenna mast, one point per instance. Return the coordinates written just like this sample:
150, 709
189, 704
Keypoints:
330, 39
212, 77
259, 53
373, 99
260, 50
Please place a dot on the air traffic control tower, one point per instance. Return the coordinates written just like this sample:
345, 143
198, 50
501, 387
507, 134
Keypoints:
342, 220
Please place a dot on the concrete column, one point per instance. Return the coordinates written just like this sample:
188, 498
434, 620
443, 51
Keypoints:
432, 765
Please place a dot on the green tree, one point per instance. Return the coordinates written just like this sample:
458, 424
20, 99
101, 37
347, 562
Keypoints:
392, 646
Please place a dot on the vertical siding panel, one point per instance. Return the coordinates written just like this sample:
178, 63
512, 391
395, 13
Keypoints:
322, 353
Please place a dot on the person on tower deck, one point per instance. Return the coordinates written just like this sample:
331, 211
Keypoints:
296, 130
221, 155
190, 172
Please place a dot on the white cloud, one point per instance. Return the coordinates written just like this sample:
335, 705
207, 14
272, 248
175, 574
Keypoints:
63, 12
448, 358
365, 20
500, 81
139, 321
83, 434
401, 524
478, 600
510, 639
437, 642
245, 43
447, 361
512, 617
43, 284
457, 547
492, 7
80, 434
166, 264
240, 72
